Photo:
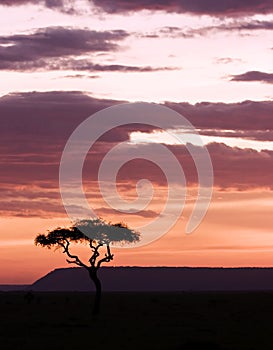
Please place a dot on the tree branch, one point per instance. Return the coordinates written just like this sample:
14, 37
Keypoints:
108, 257
73, 262
95, 254
76, 260
91, 245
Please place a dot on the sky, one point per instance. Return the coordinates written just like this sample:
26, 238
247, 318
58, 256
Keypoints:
210, 61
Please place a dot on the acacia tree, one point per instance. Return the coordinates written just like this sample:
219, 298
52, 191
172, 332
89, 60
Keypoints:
98, 234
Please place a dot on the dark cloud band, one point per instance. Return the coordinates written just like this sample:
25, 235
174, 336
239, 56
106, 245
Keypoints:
254, 76
230, 8
35, 127
196, 7
59, 48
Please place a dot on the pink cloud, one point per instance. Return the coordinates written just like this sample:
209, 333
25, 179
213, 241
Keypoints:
36, 126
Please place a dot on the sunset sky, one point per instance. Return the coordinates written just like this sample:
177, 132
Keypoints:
209, 60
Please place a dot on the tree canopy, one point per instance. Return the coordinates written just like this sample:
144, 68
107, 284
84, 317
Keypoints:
86, 230
97, 233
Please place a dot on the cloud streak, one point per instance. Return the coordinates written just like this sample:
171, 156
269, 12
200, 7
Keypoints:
59, 5
195, 7
17, 2
227, 60
234, 168
59, 48
238, 26
254, 76
249, 118
23, 51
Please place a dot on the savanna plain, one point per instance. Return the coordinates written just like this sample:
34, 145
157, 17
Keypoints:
148, 320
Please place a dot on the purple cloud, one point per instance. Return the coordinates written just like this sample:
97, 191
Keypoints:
229, 8
58, 48
35, 127
254, 76
57, 42
237, 25
226, 60
246, 116
196, 7
60, 5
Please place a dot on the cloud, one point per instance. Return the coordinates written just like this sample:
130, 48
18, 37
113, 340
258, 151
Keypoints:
245, 117
230, 8
80, 76
196, 7
226, 60
87, 65
33, 208
254, 76
66, 6
77, 65
240, 26
102, 211
234, 168
52, 42
255, 135
17, 2
241, 169
59, 48
50, 116
35, 127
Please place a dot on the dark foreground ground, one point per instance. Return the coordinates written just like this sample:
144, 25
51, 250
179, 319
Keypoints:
207, 321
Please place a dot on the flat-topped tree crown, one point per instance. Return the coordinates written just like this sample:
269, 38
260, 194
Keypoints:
97, 233
60, 236
96, 230
100, 231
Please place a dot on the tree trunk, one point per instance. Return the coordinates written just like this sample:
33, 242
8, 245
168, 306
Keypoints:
97, 283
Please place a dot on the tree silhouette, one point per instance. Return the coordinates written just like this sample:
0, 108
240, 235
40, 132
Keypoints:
97, 233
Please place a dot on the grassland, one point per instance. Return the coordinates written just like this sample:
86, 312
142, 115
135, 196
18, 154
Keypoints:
179, 321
